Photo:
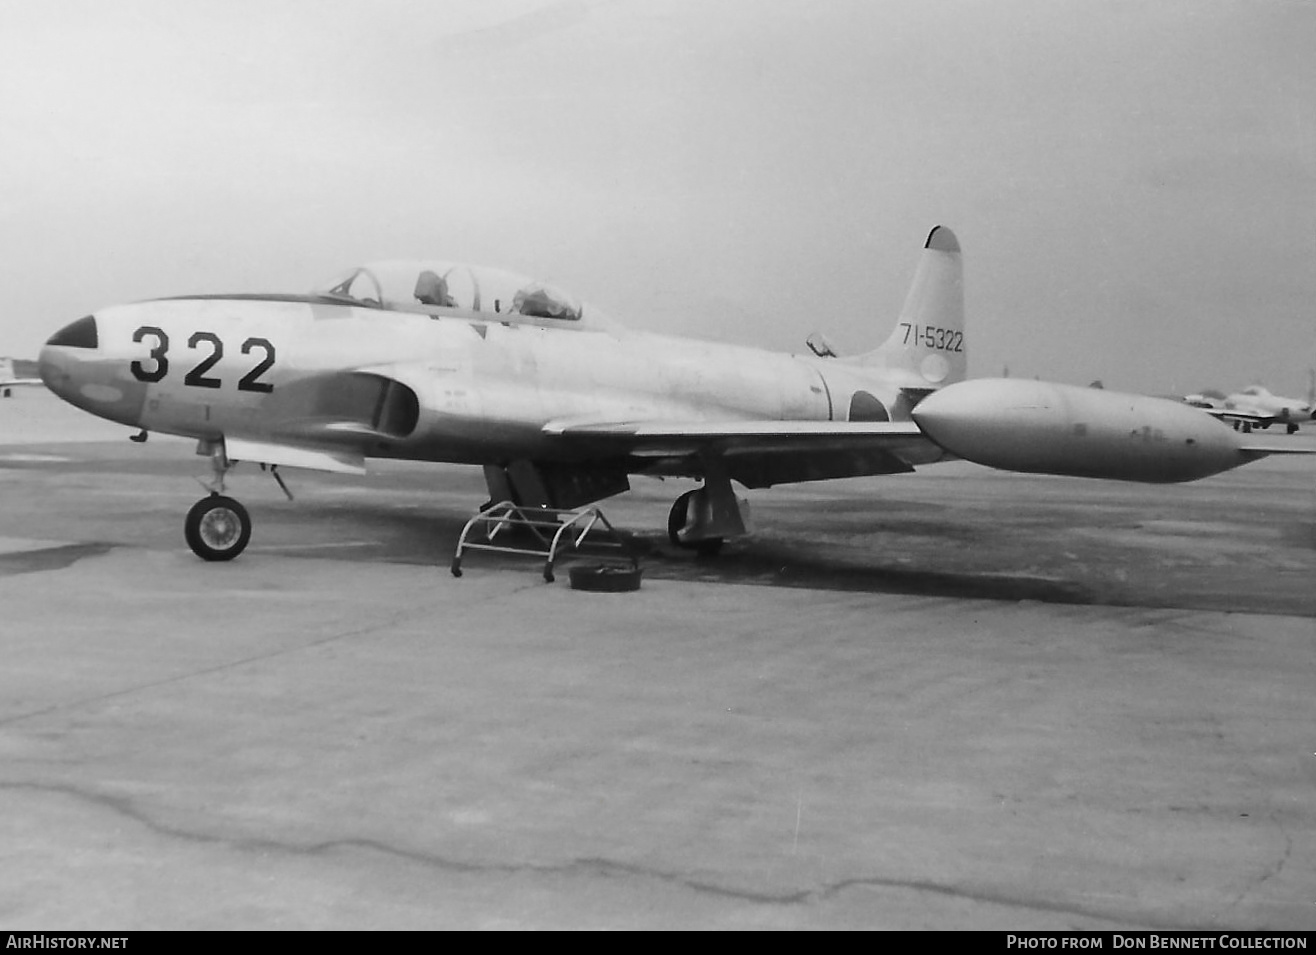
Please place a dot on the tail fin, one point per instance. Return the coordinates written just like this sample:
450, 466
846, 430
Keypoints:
928, 341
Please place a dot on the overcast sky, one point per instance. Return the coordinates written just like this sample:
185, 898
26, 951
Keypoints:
1133, 183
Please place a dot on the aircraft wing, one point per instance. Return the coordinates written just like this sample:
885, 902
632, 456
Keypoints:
9, 377
758, 453
1254, 451
1235, 414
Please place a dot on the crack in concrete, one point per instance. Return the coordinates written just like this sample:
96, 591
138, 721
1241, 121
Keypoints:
1245, 758
206, 671
608, 868
1283, 859
1273, 870
400, 616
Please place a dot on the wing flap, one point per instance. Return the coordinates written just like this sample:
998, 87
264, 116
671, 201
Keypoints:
748, 430
759, 453
661, 438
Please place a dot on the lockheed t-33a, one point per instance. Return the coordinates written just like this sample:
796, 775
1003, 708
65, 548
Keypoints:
435, 361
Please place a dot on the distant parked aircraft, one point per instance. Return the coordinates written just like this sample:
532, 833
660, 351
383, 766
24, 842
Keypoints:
9, 379
1254, 406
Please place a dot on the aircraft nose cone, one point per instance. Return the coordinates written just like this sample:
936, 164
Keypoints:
75, 367
62, 351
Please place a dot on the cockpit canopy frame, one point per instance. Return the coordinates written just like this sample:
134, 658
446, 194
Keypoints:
426, 285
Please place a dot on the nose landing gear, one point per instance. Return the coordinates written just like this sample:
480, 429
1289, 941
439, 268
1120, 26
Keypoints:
217, 527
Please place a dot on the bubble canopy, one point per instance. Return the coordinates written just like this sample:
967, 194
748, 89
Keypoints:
425, 285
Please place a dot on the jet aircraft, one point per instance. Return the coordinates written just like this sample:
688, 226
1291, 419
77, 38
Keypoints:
437, 361
1254, 406
9, 378
1258, 400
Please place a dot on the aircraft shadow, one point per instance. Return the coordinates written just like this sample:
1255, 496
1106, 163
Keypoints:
415, 536
917, 558
781, 565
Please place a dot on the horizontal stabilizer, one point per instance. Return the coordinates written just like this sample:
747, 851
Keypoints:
338, 460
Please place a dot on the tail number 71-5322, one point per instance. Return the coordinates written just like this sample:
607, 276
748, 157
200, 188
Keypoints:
944, 339
158, 360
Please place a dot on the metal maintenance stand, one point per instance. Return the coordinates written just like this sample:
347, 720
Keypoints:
547, 533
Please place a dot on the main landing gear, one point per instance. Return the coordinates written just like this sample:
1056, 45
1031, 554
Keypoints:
217, 527
681, 517
701, 520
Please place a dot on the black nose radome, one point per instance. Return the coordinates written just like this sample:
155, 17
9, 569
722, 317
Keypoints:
81, 334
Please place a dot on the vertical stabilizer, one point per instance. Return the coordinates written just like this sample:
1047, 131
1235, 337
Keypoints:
928, 341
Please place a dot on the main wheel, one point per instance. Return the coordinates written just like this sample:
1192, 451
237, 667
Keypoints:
676, 521
217, 528
677, 518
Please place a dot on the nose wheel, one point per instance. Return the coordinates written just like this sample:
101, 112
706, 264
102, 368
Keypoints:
217, 528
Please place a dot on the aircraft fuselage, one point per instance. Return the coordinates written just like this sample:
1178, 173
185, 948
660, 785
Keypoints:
482, 390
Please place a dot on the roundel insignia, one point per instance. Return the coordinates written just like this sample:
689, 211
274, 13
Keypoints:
864, 407
934, 368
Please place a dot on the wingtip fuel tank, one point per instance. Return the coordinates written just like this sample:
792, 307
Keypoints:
1046, 428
